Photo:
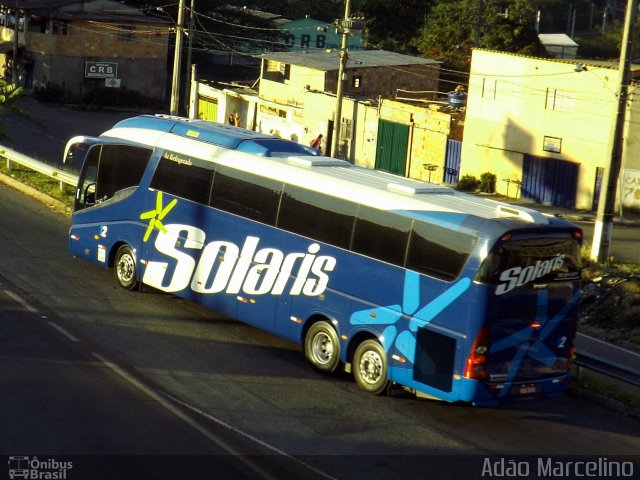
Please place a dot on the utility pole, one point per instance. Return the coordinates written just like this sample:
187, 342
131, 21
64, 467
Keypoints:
14, 68
345, 26
343, 63
187, 93
177, 60
600, 250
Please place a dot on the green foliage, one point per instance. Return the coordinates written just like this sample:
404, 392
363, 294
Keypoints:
120, 97
98, 97
8, 94
50, 93
454, 27
392, 24
488, 182
468, 183
602, 47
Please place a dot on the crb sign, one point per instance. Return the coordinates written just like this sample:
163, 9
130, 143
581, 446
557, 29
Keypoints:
100, 70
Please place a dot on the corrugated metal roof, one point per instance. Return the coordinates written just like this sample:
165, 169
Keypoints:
89, 10
559, 39
328, 60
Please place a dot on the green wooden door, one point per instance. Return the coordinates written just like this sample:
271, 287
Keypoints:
391, 149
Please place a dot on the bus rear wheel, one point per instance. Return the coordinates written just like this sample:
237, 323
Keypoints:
125, 268
370, 367
322, 347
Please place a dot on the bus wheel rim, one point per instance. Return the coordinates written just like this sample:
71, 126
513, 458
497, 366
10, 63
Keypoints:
371, 367
125, 268
322, 348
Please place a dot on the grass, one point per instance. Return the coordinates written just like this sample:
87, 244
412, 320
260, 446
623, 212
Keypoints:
605, 387
38, 181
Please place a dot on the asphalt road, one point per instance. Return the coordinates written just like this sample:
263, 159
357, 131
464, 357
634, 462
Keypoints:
44, 133
92, 369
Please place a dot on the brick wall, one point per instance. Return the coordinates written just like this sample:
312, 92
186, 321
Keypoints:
91, 39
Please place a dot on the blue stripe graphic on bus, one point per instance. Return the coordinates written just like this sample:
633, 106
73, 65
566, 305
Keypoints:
405, 342
445, 294
530, 346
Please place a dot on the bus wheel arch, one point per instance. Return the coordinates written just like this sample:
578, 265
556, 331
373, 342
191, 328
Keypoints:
124, 265
370, 365
322, 344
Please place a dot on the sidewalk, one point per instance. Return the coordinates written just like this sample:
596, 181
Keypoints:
569, 214
566, 213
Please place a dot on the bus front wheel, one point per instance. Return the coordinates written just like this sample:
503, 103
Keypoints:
322, 347
125, 268
370, 367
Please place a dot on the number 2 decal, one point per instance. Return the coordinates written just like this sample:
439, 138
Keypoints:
103, 231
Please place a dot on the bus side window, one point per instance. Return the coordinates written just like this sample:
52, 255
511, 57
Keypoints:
183, 179
244, 194
312, 214
86, 190
120, 166
437, 251
382, 235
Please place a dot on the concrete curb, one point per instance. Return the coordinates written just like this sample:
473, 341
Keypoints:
51, 202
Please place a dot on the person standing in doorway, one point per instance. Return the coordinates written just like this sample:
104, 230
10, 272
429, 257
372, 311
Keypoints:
238, 120
317, 143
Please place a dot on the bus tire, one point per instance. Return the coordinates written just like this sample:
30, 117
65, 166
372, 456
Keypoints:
125, 268
370, 367
322, 347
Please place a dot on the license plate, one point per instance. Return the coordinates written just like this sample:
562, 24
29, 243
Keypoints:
526, 389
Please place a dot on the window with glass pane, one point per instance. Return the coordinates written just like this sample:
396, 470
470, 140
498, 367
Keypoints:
120, 167
437, 251
245, 194
381, 234
184, 178
315, 215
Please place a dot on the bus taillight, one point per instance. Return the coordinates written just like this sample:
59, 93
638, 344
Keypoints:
571, 358
475, 369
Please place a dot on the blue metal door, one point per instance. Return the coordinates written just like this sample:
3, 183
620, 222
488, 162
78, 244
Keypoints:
550, 181
452, 162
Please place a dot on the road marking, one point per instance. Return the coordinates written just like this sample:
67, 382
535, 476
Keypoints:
182, 416
20, 300
250, 437
64, 332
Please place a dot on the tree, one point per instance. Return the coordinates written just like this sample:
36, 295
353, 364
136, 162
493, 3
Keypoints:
8, 94
392, 24
454, 27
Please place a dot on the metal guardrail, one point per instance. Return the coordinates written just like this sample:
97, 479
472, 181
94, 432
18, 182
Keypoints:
584, 359
607, 367
65, 178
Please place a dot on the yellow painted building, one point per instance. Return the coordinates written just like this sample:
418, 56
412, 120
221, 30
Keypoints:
542, 126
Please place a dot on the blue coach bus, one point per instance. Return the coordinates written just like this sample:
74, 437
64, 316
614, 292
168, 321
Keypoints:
449, 295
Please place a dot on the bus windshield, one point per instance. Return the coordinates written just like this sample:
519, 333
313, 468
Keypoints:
521, 261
